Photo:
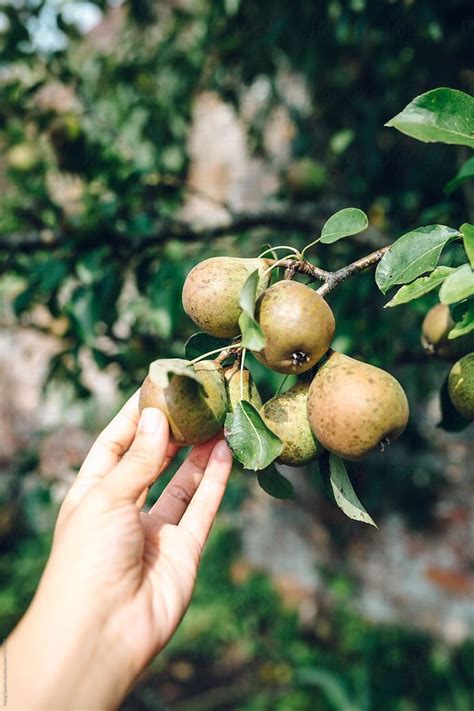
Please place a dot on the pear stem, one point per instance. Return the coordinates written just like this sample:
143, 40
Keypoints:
205, 355
280, 387
242, 361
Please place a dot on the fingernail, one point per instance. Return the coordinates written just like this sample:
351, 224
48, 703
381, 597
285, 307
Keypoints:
221, 451
150, 420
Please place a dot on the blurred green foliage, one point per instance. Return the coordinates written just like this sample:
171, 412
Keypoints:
94, 159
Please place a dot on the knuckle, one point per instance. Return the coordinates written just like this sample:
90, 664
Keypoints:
114, 446
138, 456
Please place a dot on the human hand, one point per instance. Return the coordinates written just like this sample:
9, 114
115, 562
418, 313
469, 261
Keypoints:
119, 579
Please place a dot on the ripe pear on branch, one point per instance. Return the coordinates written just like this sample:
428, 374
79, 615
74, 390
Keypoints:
193, 397
286, 415
298, 326
434, 335
461, 386
212, 289
354, 407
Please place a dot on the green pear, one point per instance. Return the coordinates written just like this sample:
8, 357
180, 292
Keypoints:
195, 408
461, 386
434, 335
212, 289
286, 416
241, 386
354, 407
298, 326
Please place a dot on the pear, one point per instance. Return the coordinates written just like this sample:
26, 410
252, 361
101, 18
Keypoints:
298, 326
434, 335
237, 391
461, 386
286, 416
195, 410
212, 289
353, 407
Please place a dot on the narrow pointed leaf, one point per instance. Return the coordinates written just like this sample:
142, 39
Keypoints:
345, 496
200, 343
466, 172
413, 254
252, 442
458, 286
441, 115
275, 483
252, 336
467, 231
420, 287
346, 222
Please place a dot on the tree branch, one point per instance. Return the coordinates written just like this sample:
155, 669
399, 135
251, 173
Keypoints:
330, 279
337, 277
176, 230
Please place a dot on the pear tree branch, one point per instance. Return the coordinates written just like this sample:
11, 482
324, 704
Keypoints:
331, 280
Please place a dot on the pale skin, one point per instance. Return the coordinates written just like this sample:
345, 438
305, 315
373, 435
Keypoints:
118, 580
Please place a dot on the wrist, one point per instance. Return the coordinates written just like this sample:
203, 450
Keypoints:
60, 660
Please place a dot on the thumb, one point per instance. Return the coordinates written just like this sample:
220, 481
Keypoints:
141, 464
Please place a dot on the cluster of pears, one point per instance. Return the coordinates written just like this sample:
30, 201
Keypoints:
434, 338
348, 407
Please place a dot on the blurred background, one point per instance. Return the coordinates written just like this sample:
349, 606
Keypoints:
138, 138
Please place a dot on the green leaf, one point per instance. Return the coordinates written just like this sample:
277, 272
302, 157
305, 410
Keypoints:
345, 496
275, 483
420, 287
451, 420
412, 255
466, 172
465, 324
458, 286
200, 343
160, 370
330, 684
252, 442
346, 222
252, 336
444, 115
467, 231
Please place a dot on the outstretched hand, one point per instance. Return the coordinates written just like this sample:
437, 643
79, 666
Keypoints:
119, 579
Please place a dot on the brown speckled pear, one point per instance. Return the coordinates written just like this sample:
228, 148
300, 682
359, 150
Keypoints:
298, 326
354, 407
195, 413
461, 386
434, 335
212, 289
286, 416
235, 392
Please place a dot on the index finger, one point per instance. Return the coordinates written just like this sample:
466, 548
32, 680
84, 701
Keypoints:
109, 448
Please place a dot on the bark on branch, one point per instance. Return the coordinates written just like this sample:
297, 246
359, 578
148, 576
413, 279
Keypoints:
330, 279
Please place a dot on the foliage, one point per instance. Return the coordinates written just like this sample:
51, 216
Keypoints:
94, 172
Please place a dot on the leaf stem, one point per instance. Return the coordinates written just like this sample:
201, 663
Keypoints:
281, 262
281, 246
308, 246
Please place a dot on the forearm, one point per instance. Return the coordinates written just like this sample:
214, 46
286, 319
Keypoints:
54, 662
